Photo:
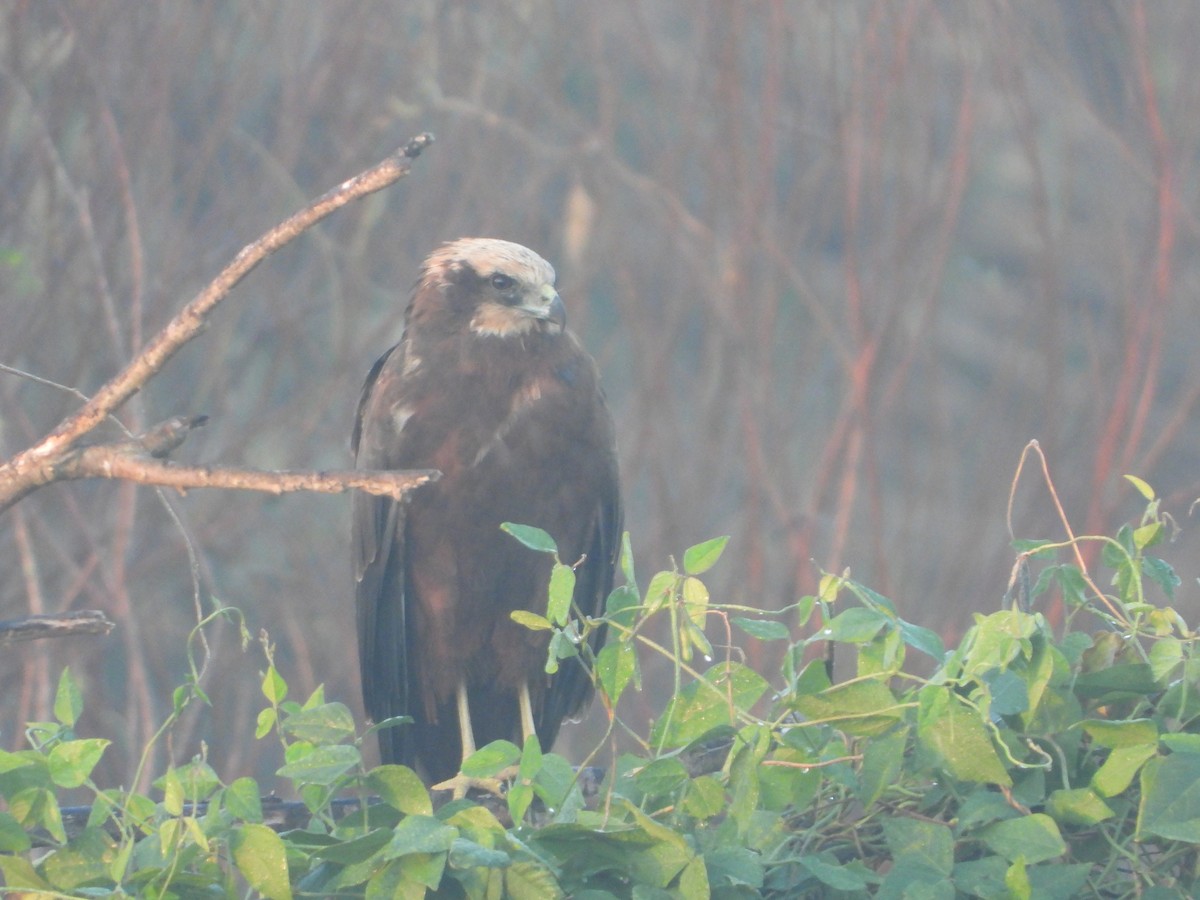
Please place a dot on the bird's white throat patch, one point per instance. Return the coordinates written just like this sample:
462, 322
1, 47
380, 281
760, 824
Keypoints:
498, 320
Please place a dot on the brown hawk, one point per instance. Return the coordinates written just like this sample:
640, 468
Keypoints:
488, 386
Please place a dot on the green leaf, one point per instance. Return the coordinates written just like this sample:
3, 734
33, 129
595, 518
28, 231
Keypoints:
627, 561
1126, 733
172, 788
827, 870
243, 801
859, 708
703, 705
355, 850
531, 879
856, 625
702, 557
763, 629
1142, 487
118, 866
704, 798
259, 854
10, 762
322, 765
999, 639
329, 723
266, 721
695, 600
1121, 767
530, 620
691, 636
883, 760
68, 701
621, 606
981, 807
924, 640
562, 591
1170, 803
198, 779
561, 647
981, 877
425, 869
661, 590
615, 666
662, 776
71, 762
1147, 535
931, 842
400, 788
1007, 693
737, 867
693, 880
1071, 582
1062, 881
1016, 881
13, 838
745, 786
518, 798
274, 688
1034, 838
465, 854
1116, 682
531, 759
956, 733
490, 759
1165, 656
20, 874
316, 698
80, 862
421, 834
1181, 742
1160, 572
531, 537
1078, 806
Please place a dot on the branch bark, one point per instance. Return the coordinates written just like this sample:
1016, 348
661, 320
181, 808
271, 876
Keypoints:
59, 455
33, 628
141, 460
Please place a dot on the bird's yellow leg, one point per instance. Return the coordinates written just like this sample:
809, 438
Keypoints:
461, 783
527, 727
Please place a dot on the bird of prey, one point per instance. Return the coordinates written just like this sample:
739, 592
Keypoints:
488, 386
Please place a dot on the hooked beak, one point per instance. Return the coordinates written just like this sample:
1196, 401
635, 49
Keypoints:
549, 309
555, 311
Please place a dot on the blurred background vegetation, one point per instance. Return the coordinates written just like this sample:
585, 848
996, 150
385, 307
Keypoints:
839, 260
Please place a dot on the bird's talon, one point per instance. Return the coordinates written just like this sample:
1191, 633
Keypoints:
461, 784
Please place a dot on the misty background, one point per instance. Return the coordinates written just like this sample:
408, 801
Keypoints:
838, 261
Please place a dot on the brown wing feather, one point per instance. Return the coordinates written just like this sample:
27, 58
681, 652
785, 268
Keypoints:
379, 558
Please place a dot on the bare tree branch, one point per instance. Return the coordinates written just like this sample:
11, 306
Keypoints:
32, 628
57, 456
131, 461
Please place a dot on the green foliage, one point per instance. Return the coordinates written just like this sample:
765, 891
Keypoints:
1024, 764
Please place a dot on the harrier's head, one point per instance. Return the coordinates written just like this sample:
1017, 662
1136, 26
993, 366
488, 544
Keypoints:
494, 288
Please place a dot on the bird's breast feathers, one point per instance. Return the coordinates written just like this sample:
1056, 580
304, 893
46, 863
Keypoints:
462, 405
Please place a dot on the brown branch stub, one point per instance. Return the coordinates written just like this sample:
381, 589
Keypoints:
33, 628
57, 455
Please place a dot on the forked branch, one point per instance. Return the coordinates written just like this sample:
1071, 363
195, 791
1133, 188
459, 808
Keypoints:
61, 455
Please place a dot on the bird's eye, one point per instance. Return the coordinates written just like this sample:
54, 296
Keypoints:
502, 282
